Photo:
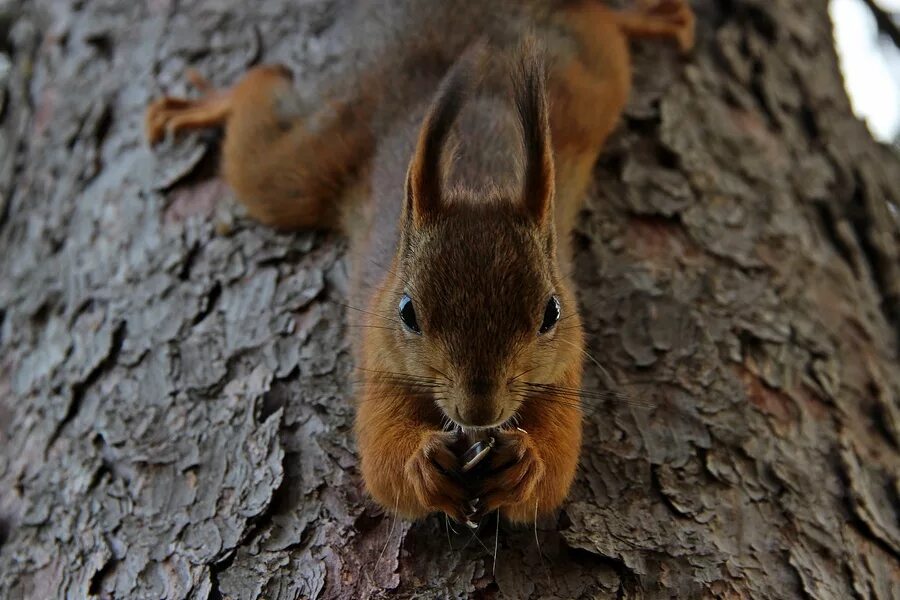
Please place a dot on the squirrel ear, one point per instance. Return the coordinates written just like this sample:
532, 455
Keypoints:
424, 178
531, 103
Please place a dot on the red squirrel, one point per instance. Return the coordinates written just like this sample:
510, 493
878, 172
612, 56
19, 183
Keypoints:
459, 205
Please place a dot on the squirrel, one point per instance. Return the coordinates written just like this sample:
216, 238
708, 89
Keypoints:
459, 205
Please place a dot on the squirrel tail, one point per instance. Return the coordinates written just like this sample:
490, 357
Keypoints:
289, 169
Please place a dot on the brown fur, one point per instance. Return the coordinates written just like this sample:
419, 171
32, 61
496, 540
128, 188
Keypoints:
474, 228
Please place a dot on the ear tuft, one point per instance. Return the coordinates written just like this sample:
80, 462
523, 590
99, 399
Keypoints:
531, 102
424, 178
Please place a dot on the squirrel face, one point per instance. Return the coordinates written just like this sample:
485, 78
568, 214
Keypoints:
481, 302
476, 284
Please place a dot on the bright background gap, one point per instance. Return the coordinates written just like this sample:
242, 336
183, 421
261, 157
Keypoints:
871, 65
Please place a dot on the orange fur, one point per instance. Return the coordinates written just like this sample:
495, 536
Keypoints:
291, 168
286, 176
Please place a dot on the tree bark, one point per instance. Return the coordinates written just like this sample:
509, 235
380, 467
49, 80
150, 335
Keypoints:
175, 415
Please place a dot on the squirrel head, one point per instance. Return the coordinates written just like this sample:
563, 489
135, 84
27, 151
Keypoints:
476, 286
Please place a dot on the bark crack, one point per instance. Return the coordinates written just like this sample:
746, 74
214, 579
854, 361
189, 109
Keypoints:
78, 389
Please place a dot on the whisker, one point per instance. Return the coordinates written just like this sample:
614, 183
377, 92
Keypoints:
401, 381
371, 327
583, 306
390, 533
578, 393
537, 542
496, 545
478, 539
447, 528
570, 399
550, 392
590, 357
424, 394
516, 354
587, 408
573, 403
405, 382
475, 538
446, 423
441, 373
400, 375
407, 378
405, 281
510, 381
564, 403
561, 319
582, 391
368, 312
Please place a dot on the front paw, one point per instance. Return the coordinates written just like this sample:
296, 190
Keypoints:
514, 470
433, 473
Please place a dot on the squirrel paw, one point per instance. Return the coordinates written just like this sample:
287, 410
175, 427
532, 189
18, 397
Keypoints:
432, 472
677, 14
513, 473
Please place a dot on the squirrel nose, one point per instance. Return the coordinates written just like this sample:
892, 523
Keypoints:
480, 387
478, 407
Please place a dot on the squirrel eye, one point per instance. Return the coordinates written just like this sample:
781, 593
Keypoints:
408, 314
551, 315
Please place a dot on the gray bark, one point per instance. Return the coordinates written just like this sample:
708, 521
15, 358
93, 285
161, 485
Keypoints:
175, 416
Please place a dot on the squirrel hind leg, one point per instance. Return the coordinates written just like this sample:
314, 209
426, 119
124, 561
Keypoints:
286, 167
214, 107
673, 19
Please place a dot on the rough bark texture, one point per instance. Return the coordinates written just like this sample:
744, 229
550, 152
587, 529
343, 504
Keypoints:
174, 409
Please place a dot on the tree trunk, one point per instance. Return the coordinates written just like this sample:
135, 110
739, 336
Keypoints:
175, 413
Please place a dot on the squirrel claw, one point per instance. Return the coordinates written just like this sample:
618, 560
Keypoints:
514, 470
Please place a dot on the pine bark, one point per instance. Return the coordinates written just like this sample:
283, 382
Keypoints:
175, 416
